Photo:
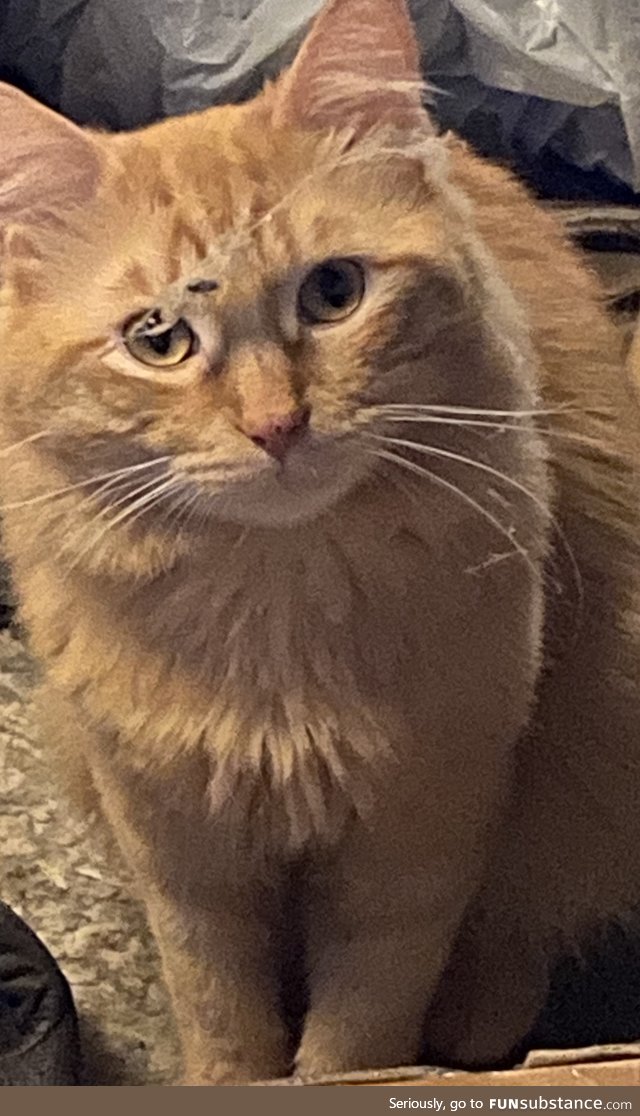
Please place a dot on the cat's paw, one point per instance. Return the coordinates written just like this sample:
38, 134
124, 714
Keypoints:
476, 1052
330, 1059
235, 1073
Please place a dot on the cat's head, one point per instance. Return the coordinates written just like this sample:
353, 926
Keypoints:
239, 296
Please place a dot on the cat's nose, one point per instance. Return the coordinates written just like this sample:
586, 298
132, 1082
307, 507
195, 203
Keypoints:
276, 434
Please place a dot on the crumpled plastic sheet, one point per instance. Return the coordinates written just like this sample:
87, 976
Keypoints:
558, 75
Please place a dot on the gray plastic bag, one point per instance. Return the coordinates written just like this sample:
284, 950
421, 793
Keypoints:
553, 75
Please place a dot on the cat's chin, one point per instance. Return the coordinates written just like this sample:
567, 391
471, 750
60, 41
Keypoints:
279, 508
286, 497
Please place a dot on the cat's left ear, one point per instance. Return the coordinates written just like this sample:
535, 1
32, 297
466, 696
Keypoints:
48, 166
359, 67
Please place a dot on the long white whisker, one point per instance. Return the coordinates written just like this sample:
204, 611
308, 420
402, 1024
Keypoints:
440, 420
141, 504
88, 526
344, 155
26, 441
114, 486
189, 510
126, 512
450, 487
177, 505
125, 498
46, 496
438, 451
146, 503
437, 408
499, 475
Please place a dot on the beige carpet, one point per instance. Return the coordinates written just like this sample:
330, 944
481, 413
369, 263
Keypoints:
58, 878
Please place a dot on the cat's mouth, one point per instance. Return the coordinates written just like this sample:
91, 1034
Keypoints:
304, 485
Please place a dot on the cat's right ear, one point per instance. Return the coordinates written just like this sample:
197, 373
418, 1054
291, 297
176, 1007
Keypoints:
48, 165
358, 68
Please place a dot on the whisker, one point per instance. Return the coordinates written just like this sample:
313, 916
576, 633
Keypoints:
177, 505
46, 496
192, 510
186, 512
130, 509
88, 525
152, 500
438, 451
140, 505
109, 508
26, 441
565, 435
246, 226
437, 408
114, 486
420, 471
510, 481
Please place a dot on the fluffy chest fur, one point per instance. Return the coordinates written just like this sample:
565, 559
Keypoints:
295, 670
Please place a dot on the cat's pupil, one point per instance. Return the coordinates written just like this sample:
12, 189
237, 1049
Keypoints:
157, 334
154, 340
336, 286
331, 292
160, 342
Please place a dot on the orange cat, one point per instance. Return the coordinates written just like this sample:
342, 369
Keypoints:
320, 496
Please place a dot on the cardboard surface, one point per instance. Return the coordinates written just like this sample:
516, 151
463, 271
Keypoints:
593, 1066
581, 1073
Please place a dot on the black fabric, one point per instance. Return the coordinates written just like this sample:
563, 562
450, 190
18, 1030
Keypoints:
38, 1024
7, 601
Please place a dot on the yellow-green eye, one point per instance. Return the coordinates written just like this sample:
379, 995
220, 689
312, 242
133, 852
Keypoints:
331, 292
153, 341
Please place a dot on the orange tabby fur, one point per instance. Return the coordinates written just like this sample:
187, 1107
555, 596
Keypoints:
419, 700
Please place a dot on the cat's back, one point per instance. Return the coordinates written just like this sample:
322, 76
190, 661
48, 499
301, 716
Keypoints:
550, 278
587, 401
574, 808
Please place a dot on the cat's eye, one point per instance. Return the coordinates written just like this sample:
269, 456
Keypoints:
331, 292
162, 344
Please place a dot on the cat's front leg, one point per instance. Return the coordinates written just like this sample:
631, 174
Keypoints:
383, 918
493, 989
216, 924
218, 966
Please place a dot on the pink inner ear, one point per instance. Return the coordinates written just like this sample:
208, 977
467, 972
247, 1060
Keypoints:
358, 67
48, 164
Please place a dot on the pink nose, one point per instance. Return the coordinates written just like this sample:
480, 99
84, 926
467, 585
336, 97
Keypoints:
278, 433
